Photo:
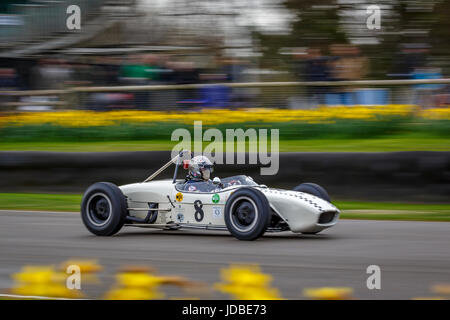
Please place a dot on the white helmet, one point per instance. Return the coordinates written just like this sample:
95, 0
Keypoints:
200, 168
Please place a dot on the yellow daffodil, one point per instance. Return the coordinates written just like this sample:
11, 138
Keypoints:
328, 293
247, 282
42, 281
443, 289
212, 117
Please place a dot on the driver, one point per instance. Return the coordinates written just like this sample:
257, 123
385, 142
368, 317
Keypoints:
200, 169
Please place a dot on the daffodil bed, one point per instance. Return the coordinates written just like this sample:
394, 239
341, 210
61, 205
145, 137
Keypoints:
131, 125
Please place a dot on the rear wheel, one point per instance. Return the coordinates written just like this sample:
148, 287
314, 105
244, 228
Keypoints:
313, 189
103, 209
247, 214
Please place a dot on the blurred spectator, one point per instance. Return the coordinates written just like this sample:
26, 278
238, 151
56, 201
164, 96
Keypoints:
83, 75
312, 66
408, 58
9, 79
316, 69
215, 95
161, 73
166, 70
186, 73
152, 68
105, 71
48, 74
135, 73
51, 74
411, 57
425, 94
235, 71
111, 68
347, 64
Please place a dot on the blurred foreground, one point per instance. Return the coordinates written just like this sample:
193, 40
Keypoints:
238, 282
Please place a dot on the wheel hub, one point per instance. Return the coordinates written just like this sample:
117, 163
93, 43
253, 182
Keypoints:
99, 208
245, 213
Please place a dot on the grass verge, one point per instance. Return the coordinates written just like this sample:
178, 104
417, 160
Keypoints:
392, 143
350, 209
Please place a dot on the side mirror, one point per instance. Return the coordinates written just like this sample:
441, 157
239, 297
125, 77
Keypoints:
217, 180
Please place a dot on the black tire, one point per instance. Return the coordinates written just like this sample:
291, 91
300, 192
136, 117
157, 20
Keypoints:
103, 209
313, 189
247, 214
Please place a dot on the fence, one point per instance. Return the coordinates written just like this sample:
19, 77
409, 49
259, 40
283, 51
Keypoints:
225, 95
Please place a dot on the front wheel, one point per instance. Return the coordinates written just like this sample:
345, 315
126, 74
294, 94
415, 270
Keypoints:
247, 214
103, 209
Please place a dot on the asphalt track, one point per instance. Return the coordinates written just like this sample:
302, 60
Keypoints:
412, 255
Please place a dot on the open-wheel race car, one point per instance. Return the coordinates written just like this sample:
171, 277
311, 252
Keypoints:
237, 204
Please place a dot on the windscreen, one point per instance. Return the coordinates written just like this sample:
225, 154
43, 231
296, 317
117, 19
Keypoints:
209, 186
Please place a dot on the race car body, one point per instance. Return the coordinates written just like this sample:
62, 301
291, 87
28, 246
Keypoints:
237, 204
302, 212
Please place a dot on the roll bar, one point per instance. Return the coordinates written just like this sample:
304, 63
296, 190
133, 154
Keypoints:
164, 167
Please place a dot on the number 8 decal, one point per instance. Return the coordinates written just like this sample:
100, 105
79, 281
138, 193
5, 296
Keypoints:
199, 214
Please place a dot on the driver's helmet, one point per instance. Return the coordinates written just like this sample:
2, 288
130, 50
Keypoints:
200, 168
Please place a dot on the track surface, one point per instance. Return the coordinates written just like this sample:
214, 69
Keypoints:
412, 255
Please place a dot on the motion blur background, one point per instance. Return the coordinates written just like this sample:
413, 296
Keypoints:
165, 42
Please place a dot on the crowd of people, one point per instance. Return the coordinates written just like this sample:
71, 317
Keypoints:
343, 62
347, 63
133, 70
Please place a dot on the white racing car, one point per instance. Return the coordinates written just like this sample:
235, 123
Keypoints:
237, 204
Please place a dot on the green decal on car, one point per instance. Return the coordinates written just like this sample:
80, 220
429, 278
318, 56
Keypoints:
215, 198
